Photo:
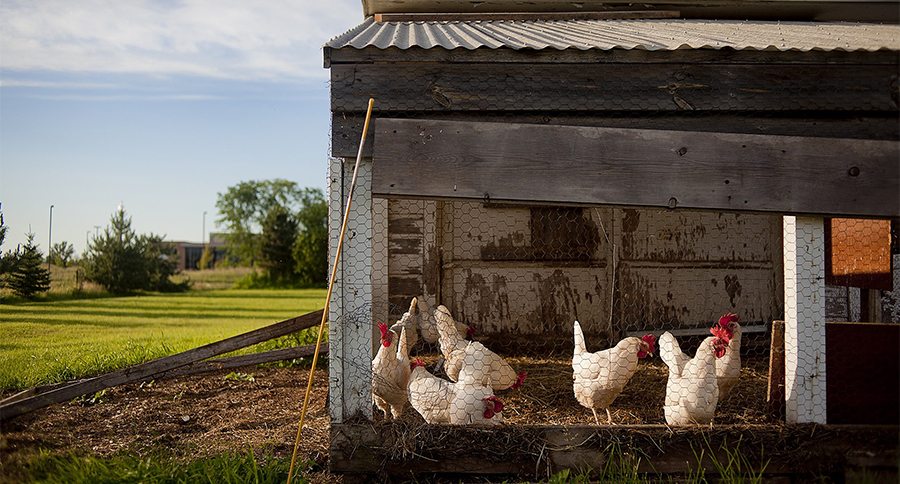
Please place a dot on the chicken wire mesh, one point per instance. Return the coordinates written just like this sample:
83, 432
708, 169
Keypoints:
575, 302
862, 269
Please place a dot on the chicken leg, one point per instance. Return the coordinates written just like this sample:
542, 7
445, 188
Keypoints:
609, 417
595, 416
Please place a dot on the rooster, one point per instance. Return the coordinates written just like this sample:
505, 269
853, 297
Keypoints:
692, 391
390, 372
601, 376
728, 367
430, 395
492, 370
428, 324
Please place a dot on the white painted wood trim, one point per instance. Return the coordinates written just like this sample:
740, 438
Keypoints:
350, 308
804, 319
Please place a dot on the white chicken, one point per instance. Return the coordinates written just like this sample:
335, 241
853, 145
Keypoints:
692, 391
428, 324
492, 369
728, 367
601, 376
474, 402
430, 395
390, 372
410, 322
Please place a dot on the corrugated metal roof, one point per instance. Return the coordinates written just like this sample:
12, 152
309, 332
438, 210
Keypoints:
621, 34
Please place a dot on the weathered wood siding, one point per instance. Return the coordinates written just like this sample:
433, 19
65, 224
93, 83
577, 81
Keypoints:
683, 269
522, 270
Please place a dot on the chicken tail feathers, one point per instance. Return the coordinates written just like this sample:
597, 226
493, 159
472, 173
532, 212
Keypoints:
580, 346
402, 346
670, 352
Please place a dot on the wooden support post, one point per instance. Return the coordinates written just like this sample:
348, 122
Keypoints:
350, 309
804, 315
775, 396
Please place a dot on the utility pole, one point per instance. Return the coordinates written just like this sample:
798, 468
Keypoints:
50, 239
203, 237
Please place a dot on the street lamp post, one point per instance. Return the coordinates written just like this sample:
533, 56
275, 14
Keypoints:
50, 239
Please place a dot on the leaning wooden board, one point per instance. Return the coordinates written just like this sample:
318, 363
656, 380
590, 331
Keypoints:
161, 365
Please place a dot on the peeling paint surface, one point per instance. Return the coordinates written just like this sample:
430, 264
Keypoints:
520, 270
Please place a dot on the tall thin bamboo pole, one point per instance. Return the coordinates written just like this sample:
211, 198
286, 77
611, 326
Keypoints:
337, 257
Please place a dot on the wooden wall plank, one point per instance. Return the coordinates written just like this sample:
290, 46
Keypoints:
863, 378
613, 87
583, 165
346, 128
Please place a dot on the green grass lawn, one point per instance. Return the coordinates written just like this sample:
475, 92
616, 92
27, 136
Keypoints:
53, 341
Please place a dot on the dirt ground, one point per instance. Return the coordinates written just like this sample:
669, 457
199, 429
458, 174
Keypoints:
190, 416
210, 414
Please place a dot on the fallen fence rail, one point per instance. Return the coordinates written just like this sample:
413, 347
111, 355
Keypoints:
29, 401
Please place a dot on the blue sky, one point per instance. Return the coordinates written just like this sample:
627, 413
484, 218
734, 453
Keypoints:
158, 105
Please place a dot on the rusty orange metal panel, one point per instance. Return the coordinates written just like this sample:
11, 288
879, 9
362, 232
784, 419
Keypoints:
858, 253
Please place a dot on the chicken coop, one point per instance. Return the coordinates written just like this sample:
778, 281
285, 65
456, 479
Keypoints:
640, 172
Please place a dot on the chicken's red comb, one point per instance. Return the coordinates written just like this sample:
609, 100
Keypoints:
470, 331
383, 328
416, 363
728, 318
520, 380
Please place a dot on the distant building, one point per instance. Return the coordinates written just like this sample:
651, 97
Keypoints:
189, 253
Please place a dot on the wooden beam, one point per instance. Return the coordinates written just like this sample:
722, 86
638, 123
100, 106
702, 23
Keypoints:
243, 360
463, 17
532, 452
674, 169
346, 128
161, 365
775, 393
192, 369
613, 87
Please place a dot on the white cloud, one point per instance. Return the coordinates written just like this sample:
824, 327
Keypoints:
226, 39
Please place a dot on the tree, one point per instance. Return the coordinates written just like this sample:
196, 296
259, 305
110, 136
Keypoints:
61, 253
206, 258
279, 232
122, 261
244, 207
311, 247
29, 276
6, 260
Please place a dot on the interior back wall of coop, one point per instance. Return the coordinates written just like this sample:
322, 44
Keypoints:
525, 270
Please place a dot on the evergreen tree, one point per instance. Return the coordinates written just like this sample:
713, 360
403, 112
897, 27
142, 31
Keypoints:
29, 277
122, 261
279, 232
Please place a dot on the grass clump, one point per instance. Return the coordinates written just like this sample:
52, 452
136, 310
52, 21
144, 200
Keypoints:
231, 468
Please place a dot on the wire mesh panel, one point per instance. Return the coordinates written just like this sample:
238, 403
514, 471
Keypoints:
579, 303
860, 271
